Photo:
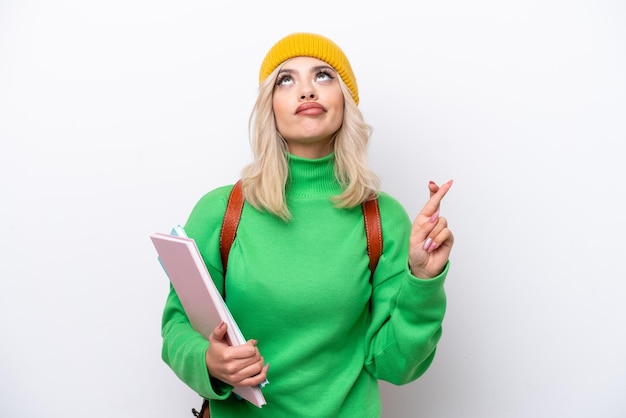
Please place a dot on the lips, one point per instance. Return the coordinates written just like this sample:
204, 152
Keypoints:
310, 108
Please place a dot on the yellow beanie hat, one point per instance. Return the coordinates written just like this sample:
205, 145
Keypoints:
310, 45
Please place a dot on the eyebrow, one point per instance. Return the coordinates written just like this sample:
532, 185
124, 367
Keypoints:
313, 69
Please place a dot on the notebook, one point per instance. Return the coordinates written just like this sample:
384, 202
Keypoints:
180, 258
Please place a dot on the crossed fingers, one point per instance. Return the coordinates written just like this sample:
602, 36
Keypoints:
431, 240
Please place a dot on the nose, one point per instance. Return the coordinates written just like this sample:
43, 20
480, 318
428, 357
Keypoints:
308, 93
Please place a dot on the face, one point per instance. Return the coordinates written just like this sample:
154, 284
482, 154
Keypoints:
308, 106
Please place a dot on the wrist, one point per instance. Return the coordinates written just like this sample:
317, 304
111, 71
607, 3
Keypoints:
421, 274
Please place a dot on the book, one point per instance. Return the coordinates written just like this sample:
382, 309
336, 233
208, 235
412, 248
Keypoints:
180, 258
234, 335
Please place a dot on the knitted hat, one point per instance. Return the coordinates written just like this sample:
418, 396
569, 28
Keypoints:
310, 45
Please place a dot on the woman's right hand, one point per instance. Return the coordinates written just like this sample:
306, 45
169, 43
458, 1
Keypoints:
237, 366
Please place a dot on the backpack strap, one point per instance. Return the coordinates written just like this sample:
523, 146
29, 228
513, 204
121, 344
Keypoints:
234, 207
373, 231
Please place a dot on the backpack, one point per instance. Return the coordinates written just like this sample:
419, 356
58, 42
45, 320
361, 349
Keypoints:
234, 207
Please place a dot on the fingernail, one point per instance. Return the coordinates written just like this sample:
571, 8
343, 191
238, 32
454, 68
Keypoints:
427, 244
432, 247
434, 218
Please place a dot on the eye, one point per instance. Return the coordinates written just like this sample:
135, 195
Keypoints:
284, 79
324, 75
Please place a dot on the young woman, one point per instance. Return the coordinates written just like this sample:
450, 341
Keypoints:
298, 281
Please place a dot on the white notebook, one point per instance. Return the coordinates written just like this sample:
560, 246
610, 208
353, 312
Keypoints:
180, 258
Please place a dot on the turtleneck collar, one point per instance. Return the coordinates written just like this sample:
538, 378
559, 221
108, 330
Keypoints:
312, 177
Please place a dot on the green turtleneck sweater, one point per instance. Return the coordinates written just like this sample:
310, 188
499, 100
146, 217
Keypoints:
302, 289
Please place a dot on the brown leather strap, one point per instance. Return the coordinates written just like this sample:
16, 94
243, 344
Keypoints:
373, 231
234, 207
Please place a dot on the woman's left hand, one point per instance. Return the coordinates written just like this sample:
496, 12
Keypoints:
431, 240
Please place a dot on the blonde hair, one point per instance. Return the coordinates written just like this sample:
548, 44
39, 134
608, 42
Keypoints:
264, 179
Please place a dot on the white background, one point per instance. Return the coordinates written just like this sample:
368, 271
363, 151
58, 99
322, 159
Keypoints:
116, 116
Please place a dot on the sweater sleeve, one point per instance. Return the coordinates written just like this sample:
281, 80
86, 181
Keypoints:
184, 349
406, 312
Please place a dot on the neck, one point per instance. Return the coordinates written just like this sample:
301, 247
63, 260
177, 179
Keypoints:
312, 177
311, 151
